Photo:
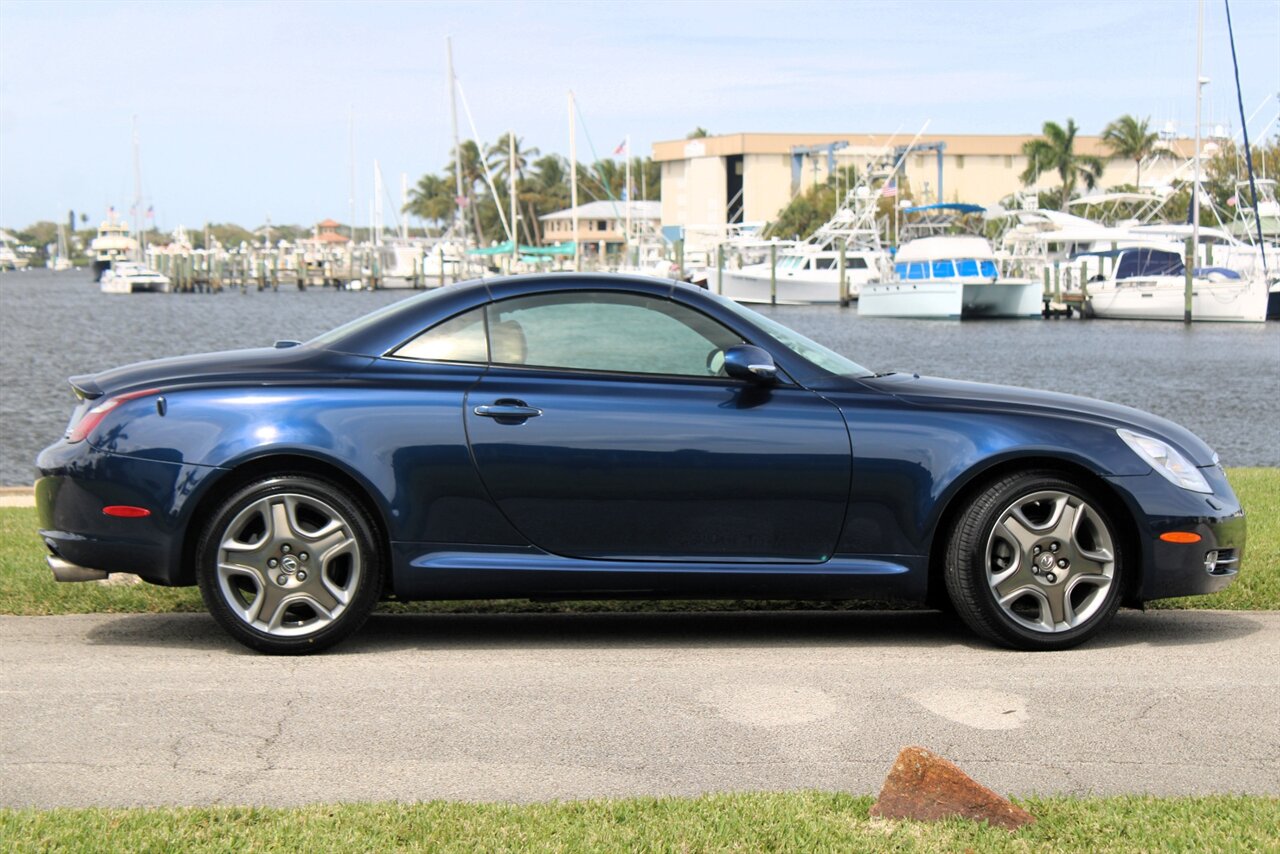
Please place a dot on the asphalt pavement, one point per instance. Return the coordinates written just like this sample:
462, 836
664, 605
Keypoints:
118, 710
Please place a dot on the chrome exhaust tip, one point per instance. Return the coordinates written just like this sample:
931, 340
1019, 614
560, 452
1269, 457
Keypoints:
66, 571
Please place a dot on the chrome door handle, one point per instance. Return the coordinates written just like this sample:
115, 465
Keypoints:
507, 410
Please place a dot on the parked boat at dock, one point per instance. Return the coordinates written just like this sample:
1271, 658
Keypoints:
130, 277
949, 276
113, 243
810, 272
1149, 283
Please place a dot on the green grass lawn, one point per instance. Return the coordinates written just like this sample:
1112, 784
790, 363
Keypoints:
799, 822
27, 587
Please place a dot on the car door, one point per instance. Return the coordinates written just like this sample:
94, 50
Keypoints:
603, 429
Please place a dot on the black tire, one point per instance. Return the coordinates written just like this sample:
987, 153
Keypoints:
256, 545
1006, 584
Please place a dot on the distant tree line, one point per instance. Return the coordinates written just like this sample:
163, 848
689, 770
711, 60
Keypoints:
542, 187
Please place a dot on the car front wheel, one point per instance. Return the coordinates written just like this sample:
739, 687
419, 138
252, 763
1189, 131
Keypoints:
1034, 563
288, 565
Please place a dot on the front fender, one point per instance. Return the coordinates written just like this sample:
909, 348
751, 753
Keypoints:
909, 463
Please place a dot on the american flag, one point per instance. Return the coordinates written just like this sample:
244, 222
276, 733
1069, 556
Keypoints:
890, 190
622, 148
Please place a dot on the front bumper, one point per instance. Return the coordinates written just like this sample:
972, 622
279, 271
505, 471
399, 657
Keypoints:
1207, 565
77, 481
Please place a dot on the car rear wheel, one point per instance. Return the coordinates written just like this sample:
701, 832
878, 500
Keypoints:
1034, 563
289, 565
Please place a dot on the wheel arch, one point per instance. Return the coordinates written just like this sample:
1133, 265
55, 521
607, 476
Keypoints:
978, 478
249, 469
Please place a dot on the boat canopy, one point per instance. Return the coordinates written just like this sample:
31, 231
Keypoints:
946, 207
504, 248
1140, 262
1113, 198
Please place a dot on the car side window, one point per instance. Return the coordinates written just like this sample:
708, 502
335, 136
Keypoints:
458, 339
607, 331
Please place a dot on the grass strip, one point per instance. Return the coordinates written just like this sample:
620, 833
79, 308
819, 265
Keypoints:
799, 821
28, 588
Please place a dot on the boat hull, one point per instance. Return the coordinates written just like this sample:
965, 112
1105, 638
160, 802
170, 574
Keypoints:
753, 285
1225, 302
943, 299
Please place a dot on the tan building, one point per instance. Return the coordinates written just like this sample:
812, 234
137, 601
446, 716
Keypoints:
751, 176
602, 226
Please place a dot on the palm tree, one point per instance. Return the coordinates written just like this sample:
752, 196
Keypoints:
611, 176
1131, 139
431, 199
472, 173
1055, 152
546, 189
498, 157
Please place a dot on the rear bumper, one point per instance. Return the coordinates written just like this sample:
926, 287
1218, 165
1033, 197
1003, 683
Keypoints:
66, 571
77, 481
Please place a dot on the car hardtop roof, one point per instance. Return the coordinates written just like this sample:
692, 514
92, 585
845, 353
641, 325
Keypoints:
377, 333
504, 286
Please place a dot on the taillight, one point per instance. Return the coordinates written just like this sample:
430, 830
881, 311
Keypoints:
93, 417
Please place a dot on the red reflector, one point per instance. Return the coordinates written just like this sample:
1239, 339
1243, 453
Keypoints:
1184, 537
125, 511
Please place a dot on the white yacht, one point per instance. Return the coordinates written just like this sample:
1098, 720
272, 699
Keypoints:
10, 258
131, 277
809, 272
949, 276
1149, 283
113, 243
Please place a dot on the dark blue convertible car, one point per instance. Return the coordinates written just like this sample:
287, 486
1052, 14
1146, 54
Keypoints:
584, 436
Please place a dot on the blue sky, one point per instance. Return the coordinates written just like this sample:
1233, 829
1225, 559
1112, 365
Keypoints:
243, 106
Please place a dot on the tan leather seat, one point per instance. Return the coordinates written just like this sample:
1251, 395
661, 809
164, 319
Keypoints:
507, 341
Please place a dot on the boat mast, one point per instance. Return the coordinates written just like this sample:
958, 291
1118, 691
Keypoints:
351, 162
1244, 129
376, 216
573, 185
404, 205
460, 220
1195, 188
627, 198
139, 235
511, 169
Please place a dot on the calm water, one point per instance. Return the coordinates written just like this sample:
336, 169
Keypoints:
1220, 380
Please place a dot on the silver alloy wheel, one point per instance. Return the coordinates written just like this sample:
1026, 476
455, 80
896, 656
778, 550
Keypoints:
288, 565
1050, 561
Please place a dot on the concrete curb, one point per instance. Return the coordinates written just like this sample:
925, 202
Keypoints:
17, 496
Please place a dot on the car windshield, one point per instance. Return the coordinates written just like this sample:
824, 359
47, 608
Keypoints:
825, 358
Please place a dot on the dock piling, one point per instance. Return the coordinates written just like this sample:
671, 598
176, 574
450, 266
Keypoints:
773, 273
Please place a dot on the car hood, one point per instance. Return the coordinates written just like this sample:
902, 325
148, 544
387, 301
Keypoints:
263, 365
957, 394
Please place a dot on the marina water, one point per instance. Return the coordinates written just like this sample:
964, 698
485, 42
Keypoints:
1220, 380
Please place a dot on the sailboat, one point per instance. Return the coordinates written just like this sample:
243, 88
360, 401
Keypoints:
133, 276
61, 259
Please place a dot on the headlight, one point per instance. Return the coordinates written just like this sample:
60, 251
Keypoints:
1167, 461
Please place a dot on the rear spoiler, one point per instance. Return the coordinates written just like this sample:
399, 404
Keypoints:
85, 387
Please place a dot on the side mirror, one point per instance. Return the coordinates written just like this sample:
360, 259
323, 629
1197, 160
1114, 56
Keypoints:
747, 362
